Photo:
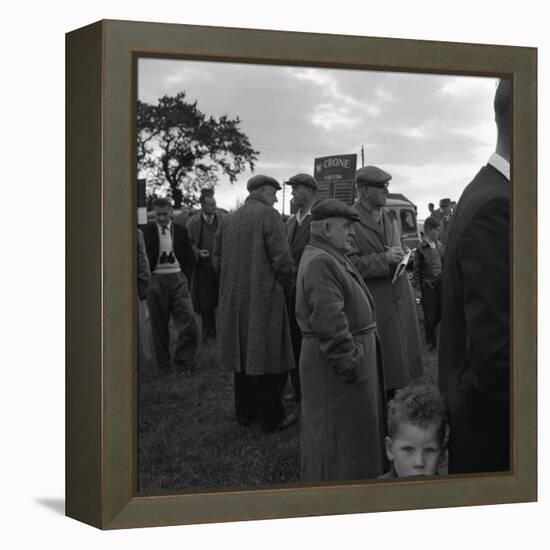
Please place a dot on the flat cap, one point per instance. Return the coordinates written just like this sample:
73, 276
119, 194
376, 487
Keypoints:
303, 179
371, 175
255, 182
332, 208
445, 202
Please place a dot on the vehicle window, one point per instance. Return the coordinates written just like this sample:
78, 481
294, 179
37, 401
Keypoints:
407, 220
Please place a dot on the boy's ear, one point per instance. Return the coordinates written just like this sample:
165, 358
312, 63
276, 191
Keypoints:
389, 452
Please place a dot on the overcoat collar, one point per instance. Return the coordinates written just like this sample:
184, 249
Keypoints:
319, 242
366, 219
259, 198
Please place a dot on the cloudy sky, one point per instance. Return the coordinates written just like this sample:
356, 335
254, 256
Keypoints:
431, 132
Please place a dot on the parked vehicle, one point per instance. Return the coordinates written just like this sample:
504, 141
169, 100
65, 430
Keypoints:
405, 215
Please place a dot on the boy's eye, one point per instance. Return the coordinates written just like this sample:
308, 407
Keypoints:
408, 449
430, 450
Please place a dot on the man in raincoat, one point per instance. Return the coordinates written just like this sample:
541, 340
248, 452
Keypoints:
377, 254
256, 269
342, 407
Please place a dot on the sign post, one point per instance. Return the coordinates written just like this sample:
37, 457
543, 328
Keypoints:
335, 175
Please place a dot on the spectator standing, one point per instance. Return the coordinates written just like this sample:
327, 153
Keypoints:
474, 351
427, 277
342, 408
376, 255
304, 190
172, 261
256, 269
443, 216
202, 228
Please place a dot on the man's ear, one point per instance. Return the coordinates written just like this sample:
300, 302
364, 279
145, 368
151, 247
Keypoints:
389, 448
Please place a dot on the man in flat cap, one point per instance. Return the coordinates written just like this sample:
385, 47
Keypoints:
474, 348
304, 191
256, 269
377, 254
443, 216
342, 405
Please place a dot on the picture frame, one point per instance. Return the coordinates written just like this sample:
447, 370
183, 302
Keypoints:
101, 424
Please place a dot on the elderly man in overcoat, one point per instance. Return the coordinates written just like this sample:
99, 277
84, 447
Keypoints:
376, 255
474, 352
342, 407
256, 269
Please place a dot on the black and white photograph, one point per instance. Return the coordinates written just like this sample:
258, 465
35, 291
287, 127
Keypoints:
323, 275
270, 372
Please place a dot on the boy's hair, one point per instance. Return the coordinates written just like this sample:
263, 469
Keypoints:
430, 223
162, 203
420, 404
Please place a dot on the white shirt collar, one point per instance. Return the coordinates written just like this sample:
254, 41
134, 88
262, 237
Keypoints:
301, 217
169, 227
501, 164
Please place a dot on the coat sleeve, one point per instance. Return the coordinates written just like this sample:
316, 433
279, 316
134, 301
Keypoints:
484, 263
185, 253
417, 268
192, 232
372, 265
144, 273
278, 249
325, 300
217, 252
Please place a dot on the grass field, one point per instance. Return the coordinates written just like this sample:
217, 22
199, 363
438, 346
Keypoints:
188, 436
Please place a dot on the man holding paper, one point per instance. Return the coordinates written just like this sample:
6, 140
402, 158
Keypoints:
377, 255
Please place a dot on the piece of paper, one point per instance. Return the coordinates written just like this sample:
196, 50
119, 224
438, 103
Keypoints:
402, 266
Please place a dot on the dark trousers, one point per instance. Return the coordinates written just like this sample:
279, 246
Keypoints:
479, 432
431, 305
169, 295
208, 324
260, 397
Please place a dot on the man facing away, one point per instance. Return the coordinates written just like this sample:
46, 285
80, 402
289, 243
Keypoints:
474, 352
171, 260
304, 191
377, 253
342, 408
256, 269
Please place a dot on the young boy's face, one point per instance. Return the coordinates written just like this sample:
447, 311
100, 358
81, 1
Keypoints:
414, 450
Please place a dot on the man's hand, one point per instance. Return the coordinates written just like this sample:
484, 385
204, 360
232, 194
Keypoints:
394, 254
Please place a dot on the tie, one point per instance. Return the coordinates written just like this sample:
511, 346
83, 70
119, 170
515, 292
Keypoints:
164, 230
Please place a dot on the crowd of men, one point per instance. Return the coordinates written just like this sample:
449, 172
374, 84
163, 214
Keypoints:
316, 300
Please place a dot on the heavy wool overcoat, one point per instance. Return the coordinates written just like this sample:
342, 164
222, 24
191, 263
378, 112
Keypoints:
255, 269
474, 352
395, 306
342, 406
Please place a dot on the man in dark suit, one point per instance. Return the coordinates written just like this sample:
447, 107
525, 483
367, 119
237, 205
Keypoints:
474, 354
172, 260
304, 191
